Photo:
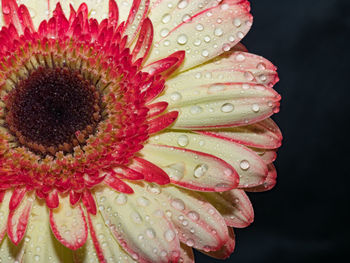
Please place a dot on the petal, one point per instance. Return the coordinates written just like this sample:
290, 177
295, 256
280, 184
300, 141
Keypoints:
226, 250
268, 156
162, 122
40, 244
4, 212
68, 224
17, 197
269, 182
192, 169
52, 200
234, 206
264, 134
144, 41
106, 247
138, 224
165, 66
193, 26
199, 224
10, 252
251, 169
224, 93
18, 219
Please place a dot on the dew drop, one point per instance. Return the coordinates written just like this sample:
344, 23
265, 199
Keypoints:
207, 39
143, 201
183, 140
150, 233
216, 88
199, 27
193, 215
175, 96
166, 18
136, 218
182, 4
169, 235
226, 47
240, 57
197, 42
200, 170
190, 242
121, 199
237, 22
261, 66
196, 109
227, 107
244, 164
182, 39
6, 9
205, 53
178, 204
255, 107
164, 32
218, 32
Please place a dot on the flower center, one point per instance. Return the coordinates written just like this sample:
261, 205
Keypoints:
53, 109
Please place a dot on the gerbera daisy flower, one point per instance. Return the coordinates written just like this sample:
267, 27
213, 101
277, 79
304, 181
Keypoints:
130, 130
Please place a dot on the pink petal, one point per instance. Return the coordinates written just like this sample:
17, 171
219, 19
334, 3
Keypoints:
18, 220
139, 226
68, 224
74, 197
165, 66
156, 108
226, 250
137, 15
192, 169
17, 197
118, 185
4, 211
144, 41
162, 122
269, 182
234, 206
89, 202
52, 200
113, 14
151, 172
268, 156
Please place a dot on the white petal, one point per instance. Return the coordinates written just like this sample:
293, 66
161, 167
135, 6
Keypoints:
199, 224
250, 167
9, 252
204, 29
192, 169
40, 244
140, 227
4, 212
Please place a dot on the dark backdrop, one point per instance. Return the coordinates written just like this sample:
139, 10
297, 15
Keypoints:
303, 219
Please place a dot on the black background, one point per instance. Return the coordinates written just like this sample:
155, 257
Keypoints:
303, 219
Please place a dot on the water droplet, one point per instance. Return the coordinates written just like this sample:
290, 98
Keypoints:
245, 86
240, 35
121, 199
196, 109
261, 66
136, 217
193, 215
207, 39
244, 164
154, 189
183, 140
255, 107
150, 233
143, 201
164, 32
182, 4
190, 242
226, 47
200, 170
6, 9
175, 96
166, 18
178, 204
166, 43
185, 223
218, 32
240, 57
227, 107
237, 22
36, 258
199, 27
182, 39
205, 53
248, 75
197, 42
169, 235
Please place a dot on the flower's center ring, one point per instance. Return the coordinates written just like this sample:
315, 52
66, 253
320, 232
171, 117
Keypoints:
53, 109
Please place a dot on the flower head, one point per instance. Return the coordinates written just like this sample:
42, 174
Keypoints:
130, 130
